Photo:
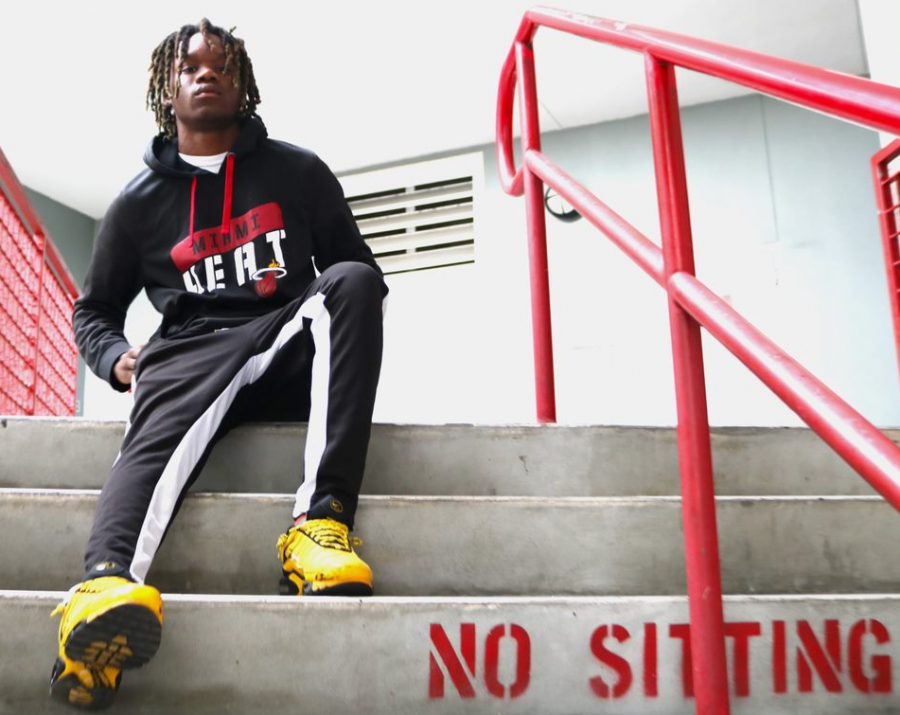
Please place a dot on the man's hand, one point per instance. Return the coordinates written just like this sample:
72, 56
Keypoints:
123, 370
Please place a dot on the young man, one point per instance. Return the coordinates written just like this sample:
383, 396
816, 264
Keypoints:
222, 230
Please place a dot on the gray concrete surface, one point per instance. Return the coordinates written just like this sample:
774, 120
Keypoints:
253, 655
454, 460
548, 528
478, 546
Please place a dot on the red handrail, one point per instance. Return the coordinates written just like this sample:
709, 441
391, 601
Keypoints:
691, 303
12, 187
858, 100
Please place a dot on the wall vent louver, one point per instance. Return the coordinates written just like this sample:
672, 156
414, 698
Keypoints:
419, 226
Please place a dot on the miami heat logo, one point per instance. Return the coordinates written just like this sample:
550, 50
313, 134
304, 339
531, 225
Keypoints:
267, 279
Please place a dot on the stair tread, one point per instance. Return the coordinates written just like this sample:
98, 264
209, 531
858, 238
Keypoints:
54, 596
332, 655
545, 460
58, 492
476, 545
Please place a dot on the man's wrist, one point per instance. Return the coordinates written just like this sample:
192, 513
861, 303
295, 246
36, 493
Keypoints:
107, 366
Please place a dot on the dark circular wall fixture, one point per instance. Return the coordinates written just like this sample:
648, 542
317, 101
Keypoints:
559, 207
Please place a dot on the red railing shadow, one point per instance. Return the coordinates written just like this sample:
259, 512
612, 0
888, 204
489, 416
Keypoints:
691, 304
38, 357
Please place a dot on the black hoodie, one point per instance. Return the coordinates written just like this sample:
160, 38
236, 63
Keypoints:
213, 250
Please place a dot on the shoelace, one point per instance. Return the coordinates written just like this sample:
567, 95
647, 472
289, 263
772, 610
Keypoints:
325, 535
61, 606
328, 533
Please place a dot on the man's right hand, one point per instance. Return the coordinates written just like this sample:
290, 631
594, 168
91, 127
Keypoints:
123, 370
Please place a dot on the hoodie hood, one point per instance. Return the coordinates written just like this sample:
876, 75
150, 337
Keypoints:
162, 157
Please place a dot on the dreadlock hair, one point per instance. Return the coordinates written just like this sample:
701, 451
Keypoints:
164, 85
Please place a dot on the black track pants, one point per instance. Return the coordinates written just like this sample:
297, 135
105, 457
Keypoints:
318, 357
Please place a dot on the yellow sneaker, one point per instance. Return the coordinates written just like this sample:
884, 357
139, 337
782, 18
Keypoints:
108, 624
318, 559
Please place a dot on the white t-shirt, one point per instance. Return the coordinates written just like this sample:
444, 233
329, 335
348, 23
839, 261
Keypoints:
210, 163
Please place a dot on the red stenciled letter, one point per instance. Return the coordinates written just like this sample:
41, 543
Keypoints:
779, 657
742, 632
882, 682
462, 681
683, 632
492, 657
651, 687
612, 660
827, 666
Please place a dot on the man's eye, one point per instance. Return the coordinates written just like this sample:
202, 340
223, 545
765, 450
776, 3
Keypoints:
188, 69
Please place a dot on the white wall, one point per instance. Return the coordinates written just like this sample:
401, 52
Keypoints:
879, 20
785, 230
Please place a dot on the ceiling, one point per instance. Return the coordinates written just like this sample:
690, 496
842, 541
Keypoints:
361, 83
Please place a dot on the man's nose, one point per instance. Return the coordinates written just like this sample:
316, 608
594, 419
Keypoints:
207, 73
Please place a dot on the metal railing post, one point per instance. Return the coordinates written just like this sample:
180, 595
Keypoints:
545, 391
710, 673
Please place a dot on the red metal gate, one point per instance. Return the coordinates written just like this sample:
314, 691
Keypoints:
38, 357
887, 194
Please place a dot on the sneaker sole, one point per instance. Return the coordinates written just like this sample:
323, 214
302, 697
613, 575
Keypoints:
286, 587
70, 691
124, 637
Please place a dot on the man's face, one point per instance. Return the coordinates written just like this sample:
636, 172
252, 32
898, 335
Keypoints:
207, 98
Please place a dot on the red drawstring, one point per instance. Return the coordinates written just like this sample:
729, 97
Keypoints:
226, 206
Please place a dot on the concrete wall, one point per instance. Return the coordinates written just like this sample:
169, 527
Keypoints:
785, 230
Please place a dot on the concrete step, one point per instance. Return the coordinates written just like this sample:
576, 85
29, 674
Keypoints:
453, 459
478, 546
821, 655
